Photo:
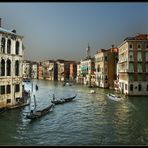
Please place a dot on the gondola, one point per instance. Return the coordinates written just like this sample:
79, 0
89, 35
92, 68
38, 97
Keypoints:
62, 100
33, 114
39, 113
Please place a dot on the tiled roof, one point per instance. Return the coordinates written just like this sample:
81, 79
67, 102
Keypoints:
138, 37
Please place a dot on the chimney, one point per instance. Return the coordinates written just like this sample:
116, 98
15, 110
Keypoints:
0, 22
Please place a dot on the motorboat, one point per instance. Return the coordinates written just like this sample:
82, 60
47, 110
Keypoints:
114, 97
92, 91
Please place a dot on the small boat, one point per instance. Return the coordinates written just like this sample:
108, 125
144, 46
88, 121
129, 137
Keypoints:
39, 113
62, 100
92, 91
114, 97
33, 114
67, 84
2, 110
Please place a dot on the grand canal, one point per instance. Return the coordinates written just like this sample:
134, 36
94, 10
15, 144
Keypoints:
92, 119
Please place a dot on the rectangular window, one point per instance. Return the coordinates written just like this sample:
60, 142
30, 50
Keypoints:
139, 87
146, 56
2, 89
130, 46
146, 77
146, 67
139, 67
125, 86
8, 89
8, 100
105, 58
139, 77
131, 56
105, 77
131, 67
139, 56
131, 78
17, 88
131, 87
139, 46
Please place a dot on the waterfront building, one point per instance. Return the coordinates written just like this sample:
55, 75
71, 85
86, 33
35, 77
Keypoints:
86, 69
101, 65
40, 71
80, 78
105, 64
26, 69
112, 66
11, 56
64, 71
133, 65
60, 69
49, 70
87, 75
73, 71
34, 70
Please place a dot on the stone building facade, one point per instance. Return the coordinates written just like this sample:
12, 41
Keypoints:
133, 65
11, 57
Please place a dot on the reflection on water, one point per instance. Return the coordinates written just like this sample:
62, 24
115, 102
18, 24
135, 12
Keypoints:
92, 119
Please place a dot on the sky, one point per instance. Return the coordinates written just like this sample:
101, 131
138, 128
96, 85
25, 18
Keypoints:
63, 30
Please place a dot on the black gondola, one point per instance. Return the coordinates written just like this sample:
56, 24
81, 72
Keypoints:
62, 100
39, 113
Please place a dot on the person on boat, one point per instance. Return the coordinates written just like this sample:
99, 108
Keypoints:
31, 112
53, 97
36, 87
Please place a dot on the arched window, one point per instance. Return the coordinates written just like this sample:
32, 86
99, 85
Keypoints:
9, 46
2, 67
17, 68
17, 47
8, 67
3, 45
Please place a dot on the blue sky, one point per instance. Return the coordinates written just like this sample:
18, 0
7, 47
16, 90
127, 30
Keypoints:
63, 30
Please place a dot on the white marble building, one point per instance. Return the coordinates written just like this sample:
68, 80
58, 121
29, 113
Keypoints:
11, 55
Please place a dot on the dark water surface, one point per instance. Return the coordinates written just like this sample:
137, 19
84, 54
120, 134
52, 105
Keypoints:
92, 119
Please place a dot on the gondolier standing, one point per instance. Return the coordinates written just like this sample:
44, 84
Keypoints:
53, 97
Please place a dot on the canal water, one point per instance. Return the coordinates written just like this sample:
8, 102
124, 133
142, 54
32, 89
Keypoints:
92, 119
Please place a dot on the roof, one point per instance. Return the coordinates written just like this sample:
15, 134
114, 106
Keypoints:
9, 31
138, 37
101, 50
